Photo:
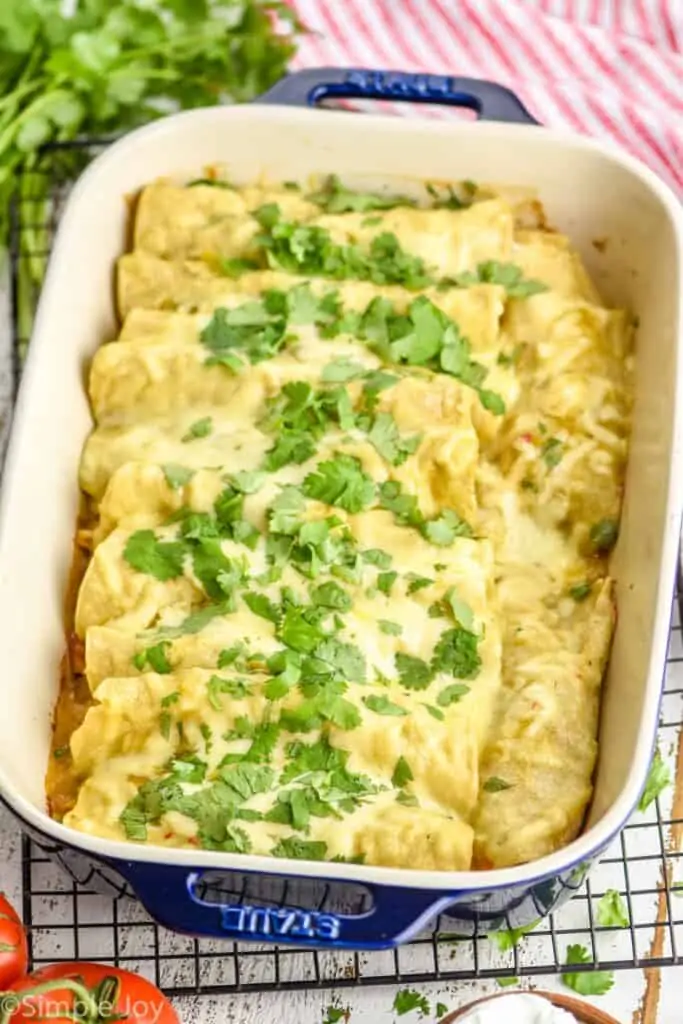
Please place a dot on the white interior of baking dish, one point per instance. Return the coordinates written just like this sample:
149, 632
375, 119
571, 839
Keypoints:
590, 192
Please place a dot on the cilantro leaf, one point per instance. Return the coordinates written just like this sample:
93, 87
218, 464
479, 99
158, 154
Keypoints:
452, 694
331, 595
375, 556
456, 653
436, 713
581, 591
262, 606
386, 580
612, 912
342, 370
336, 198
390, 628
387, 441
443, 530
414, 673
156, 657
658, 778
197, 430
340, 481
381, 705
247, 482
235, 688
177, 476
300, 849
507, 938
335, 1014
603, 535
404, 507
507, 274
552, 451
495, 785
416, 582
235, 266
145, 553
218, 574
402, 773
409, 999
586, 983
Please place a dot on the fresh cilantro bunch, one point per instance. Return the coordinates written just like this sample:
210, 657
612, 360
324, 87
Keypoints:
95, 68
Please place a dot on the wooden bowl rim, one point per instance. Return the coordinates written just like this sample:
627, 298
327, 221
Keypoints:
585, 1013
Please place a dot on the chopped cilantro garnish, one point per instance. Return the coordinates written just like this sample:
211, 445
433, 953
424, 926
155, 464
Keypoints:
402, 773
386, 580
611, 911
165, 722
247, 482
507, 274
300, 849
336, 198
443, 530
495, 785
414, 673
552, 451
507, 938
177, 476
342, 370
381, 705
235, 266
586, 983
404, 507
581, 591
658, 778
375, 556
416, 582
156, 657
145, 553
218, 574
456, 653
340, 481
301, 630
309, 249
336, 1014
235, 688
425, 336
198, 429
461, 611
436, 713
451, 694
409, 999
262, 606
385, 438
230, 655
603, 535
390, 628
331, 595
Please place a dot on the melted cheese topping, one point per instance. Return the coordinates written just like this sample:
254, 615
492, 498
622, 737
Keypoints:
348, 596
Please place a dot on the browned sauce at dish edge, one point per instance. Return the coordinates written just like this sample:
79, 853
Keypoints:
61, 781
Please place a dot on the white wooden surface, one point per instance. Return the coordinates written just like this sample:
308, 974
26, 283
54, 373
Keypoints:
367, 1005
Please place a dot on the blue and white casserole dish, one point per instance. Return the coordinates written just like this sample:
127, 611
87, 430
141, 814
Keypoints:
590, 192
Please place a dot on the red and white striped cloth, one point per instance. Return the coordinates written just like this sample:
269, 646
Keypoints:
609, 68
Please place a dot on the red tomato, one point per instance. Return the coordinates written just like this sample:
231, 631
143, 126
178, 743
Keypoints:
97, 992
13, 948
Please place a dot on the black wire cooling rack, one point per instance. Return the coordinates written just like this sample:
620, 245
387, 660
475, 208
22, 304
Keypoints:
70, 918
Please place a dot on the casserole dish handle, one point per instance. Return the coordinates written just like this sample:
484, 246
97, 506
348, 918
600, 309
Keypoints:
170, 894
490, 101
